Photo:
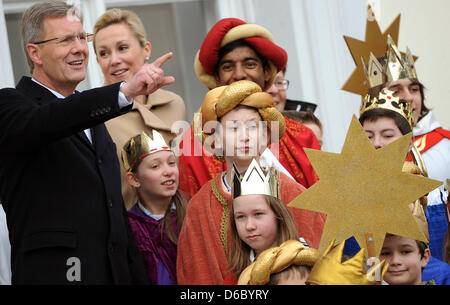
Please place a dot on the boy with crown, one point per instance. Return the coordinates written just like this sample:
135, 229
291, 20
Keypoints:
392, 108
391, 71
371, 203
396, 71
157, 216
242, 118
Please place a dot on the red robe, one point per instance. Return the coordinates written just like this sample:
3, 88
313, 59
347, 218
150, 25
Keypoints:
201, 258
197, 170
426, 141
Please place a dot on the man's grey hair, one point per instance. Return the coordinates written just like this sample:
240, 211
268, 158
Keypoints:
32, 21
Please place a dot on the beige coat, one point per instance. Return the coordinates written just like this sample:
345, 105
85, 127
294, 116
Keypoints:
158, 111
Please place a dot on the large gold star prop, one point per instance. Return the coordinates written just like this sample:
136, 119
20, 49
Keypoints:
363, 190
375, 42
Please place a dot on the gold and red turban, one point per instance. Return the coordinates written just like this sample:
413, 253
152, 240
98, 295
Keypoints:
219, 101
231, 29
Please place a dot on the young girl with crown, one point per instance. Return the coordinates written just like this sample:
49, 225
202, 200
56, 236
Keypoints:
157, 217
259, 221
389, 68
236, 121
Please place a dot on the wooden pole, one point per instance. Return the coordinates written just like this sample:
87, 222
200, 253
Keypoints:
370, 245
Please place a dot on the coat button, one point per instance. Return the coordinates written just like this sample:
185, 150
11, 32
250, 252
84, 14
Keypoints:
110, 203
99, 161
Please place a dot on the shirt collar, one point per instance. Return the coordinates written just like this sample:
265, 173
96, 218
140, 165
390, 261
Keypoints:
154, 216
57, 94
427, 124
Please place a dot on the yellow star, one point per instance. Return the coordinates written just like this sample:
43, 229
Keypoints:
363, 190
375, 42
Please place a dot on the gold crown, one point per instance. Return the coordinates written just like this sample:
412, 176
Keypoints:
387, 100
133, 152
394, 66
276, 259
330, 270
256, 182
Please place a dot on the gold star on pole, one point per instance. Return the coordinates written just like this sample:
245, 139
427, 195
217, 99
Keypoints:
364, 191
375, 42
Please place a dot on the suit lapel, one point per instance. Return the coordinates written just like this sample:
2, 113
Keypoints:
43, 96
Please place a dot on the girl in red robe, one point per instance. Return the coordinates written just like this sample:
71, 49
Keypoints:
238, 135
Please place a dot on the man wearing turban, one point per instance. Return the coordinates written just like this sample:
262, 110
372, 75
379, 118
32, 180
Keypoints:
231, 51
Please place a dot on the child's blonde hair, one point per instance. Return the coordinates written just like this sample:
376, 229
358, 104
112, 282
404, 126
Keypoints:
239, 256
293, 271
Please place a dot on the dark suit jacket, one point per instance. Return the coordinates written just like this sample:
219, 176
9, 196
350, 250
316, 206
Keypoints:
62, 194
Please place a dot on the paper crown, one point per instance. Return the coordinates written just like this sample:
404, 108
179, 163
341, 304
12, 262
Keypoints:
393, 66
330, 270
387, 100
255, 181
276, 259
132, 152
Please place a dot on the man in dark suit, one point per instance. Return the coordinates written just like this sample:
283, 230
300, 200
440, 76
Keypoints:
59, 173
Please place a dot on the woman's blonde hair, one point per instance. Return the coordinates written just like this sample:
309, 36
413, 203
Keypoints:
239, 256
117, 15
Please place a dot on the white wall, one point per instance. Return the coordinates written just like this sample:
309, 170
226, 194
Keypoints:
424, 29
319, 62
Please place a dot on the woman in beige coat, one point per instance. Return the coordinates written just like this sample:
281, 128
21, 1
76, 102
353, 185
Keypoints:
121, 48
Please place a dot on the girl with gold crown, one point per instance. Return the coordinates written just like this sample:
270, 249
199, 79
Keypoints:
236, 124
259, 221
156, 218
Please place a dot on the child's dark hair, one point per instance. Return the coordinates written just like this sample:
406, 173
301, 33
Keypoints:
303, 117
422, 247
374, 114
